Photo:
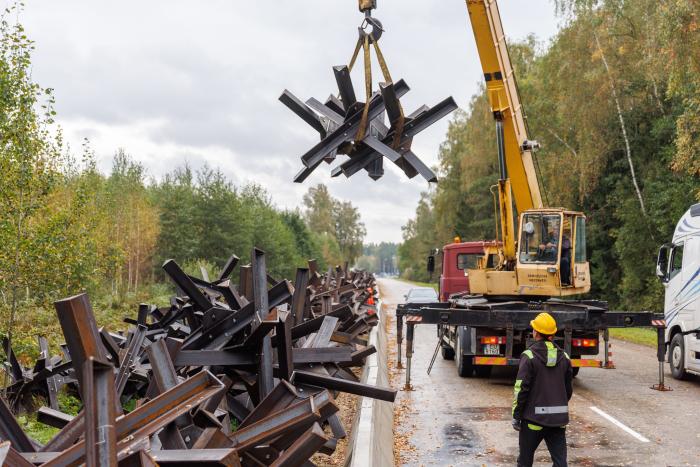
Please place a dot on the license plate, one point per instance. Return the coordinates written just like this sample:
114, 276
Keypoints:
492, 349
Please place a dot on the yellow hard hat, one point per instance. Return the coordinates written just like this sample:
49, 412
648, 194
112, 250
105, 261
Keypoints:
544, 324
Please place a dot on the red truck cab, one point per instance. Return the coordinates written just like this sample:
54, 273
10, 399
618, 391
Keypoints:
456, 259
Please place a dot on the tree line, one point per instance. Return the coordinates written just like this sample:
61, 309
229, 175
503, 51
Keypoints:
66, 228
614, 99
379, 258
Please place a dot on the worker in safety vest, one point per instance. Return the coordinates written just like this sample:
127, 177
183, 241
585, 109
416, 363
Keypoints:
541, 395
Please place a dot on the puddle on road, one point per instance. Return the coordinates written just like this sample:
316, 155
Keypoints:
487, 414
460, 440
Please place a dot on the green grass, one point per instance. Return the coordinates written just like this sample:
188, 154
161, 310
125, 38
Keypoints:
643, 336
36, 430
43, 433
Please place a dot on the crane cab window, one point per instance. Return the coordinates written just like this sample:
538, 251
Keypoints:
580, 253
466, 261
540, 238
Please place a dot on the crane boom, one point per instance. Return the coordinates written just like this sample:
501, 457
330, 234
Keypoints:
505, 103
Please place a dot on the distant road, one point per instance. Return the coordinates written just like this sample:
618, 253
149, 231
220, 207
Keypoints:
616, 418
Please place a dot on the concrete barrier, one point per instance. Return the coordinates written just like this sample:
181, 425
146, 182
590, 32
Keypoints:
372, 441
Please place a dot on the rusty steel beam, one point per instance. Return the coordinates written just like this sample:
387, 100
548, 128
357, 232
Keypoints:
314, 325
275, 424
326, 407
226, 457
80, 331
212, 438
164, 375
281, 292
333, 116
358, 357
151, 416
68, 435
100, 413
203, 457
347, 131
11, 431
325, 332
52, 383
285, 356
259, 269
323, 355
282, 396
132, 353
303, 448
337, 384
139, 458
175, 272
218, 336
299, 299
13, 458
165, 378
342, 117
261, 331
303, 111
54, 418
265, 378
347, 91
15, 368
186, 419
110, 345
243, 358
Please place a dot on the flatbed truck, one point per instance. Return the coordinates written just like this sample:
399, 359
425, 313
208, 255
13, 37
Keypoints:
480, 334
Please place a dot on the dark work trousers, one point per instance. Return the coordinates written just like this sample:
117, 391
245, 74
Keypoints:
530, 439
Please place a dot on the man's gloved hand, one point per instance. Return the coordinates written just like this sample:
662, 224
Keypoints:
516, 424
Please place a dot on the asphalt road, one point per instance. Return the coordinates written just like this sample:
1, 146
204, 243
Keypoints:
448, 420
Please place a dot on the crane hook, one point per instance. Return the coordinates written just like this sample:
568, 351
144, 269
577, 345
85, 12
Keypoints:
377, 28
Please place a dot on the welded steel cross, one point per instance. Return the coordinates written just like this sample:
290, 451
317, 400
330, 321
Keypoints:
339, 121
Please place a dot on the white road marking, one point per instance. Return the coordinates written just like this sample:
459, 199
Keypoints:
619, 424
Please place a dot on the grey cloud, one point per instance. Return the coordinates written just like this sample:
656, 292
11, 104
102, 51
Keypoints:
199, 81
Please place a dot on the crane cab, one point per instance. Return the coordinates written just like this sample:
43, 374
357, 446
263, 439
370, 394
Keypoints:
550, 258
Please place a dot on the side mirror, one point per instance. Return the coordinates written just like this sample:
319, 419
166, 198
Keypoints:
662, 263
431, 264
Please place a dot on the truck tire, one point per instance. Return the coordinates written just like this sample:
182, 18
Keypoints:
448, 353
465, 363
575, 371
676, 357
483, 371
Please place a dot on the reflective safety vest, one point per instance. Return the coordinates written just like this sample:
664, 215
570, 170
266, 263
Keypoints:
543, 386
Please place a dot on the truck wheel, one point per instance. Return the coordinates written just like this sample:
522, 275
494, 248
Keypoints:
676, 357
448, 353
465, 363
575, 371
483, 371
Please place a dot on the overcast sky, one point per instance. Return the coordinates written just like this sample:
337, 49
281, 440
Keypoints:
198, 82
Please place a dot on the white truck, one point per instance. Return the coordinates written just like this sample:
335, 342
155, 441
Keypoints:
678, 267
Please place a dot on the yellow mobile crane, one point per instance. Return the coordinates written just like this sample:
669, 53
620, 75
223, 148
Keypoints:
529, 270
546, 257
549, 257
